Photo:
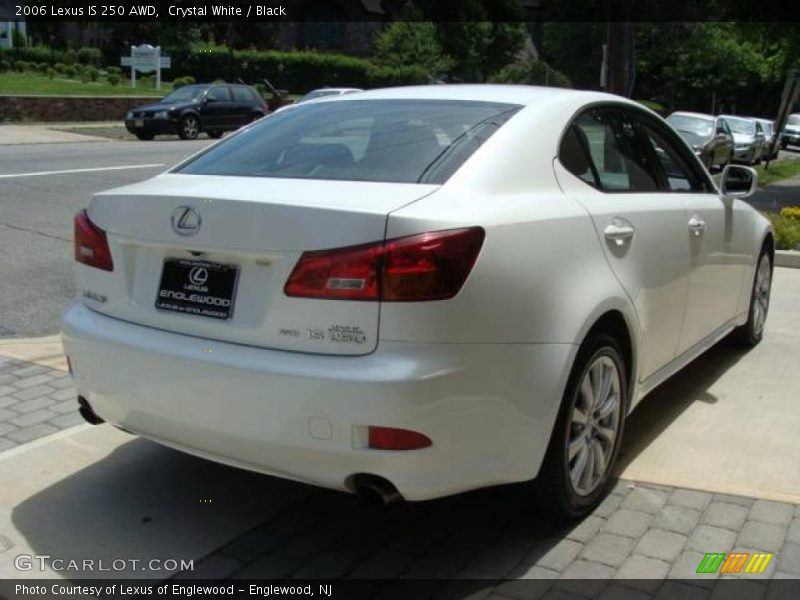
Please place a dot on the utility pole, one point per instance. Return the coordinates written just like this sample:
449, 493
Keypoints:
617, 56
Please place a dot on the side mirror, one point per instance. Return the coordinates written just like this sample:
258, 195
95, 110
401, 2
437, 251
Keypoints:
739, 181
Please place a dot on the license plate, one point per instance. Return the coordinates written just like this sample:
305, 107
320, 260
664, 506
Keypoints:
138, 123
194, 287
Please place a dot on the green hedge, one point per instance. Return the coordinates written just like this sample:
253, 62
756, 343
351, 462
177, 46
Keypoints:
43, 54
297, 72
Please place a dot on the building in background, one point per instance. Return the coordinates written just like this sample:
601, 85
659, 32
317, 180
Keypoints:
11, 27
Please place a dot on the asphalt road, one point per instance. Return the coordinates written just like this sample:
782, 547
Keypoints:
36, 212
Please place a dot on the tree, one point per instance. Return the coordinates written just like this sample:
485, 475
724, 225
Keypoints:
531, 72
481, 36
406, 43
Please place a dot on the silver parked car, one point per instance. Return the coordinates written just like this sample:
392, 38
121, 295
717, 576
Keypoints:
710, 137
768, 127
748, 139
791, 131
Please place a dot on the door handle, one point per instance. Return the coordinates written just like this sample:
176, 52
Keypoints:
619, 232
697, 225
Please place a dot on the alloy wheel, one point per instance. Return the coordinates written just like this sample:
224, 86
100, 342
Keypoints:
761, 291
190, 127
594, 426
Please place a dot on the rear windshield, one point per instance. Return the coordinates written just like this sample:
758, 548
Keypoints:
404, 141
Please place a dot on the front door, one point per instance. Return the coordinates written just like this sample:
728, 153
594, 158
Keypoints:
216, 111
717, 265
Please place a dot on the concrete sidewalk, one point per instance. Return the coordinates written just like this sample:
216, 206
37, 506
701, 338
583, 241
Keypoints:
47, 133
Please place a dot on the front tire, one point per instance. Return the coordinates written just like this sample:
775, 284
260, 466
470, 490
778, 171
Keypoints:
752, 332
190, 128
145, 137
585, 442
214, 135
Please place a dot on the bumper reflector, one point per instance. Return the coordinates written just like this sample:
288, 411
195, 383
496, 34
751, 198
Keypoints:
388, 438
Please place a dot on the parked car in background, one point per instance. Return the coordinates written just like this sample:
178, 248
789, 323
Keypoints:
710, 137
397, 294
791, 131
768, 127
209, 108
321, 93
748, 139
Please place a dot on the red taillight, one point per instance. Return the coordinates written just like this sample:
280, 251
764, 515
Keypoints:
388, 438
91, 244
428, 266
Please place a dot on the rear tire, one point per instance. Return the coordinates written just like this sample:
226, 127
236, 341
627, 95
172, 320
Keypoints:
752, 332
214, 135
588, 431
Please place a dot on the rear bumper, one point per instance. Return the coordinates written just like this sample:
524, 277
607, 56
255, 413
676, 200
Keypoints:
488, 408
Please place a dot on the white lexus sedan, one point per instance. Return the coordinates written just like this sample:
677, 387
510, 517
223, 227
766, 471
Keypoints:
413, 292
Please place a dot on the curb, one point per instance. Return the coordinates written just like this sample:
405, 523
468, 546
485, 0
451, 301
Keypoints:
787, 258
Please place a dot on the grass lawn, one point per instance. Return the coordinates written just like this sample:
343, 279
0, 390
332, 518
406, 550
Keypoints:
32, 83
779, 169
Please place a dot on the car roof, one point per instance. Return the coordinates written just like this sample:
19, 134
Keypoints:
508, 94
693, 114
738, 117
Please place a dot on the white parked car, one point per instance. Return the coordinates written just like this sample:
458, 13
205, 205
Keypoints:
415, 292
320, 93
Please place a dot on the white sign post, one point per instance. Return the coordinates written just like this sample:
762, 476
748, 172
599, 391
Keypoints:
146, 59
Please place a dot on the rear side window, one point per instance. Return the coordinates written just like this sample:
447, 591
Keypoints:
611, 160
219, 93
241, 94
404, 141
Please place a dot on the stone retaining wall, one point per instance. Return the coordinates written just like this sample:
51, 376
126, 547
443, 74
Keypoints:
69, 108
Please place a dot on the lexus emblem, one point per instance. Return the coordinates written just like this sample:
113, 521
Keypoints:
185, 220
198, 275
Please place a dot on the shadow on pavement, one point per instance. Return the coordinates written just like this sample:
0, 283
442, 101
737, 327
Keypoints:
666, 403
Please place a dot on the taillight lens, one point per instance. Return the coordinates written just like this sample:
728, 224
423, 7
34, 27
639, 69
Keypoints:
427, 266
91, 244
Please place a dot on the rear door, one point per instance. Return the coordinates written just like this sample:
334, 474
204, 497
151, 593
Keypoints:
242, 107
642, 228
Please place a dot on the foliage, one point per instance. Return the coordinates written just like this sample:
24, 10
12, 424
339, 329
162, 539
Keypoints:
91, 73
182, 81
29, 83
480, 36
654, 106
51, 72
412, 43
791, 212
787, 231
89, 56
531, 72
779, 169
298, 71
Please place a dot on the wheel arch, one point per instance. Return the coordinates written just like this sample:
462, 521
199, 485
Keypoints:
619, 321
